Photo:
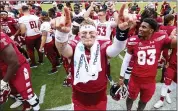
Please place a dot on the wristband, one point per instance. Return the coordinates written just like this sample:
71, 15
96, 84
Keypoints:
61, 36
121, 35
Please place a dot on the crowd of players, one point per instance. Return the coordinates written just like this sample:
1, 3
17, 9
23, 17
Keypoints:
25, 27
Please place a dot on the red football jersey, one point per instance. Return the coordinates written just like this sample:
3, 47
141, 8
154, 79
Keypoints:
4, 42
146, 53
173, 57
110, 15
58, 14
94, 85
32, 12
167, 29
8, 26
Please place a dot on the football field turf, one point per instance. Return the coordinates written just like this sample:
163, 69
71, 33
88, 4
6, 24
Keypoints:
55, 94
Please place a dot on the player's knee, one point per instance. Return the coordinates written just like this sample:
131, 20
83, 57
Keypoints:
146, 98
34, 102
132, 95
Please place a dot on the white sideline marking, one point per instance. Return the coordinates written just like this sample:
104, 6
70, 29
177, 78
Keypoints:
42, 94
120, 57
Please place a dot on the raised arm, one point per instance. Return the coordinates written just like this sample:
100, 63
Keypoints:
63, 27
87, 13
123, 24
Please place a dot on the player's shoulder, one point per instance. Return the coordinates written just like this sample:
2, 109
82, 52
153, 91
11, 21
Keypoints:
4, 41
133, 40
22, 18
33, 17
45, 24
160, 35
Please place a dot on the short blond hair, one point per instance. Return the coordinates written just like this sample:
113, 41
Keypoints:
87, 21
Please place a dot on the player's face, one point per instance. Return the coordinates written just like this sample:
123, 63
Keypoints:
3, 16
88, 38
145, 30
76, 10
101, 15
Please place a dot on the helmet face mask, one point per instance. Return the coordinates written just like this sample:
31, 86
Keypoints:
118, 92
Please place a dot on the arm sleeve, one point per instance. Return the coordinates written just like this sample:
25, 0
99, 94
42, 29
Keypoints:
125, 63
114, 49
118, 44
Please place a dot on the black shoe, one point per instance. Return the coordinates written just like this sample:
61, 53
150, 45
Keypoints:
58, 65
53, 71
33, 66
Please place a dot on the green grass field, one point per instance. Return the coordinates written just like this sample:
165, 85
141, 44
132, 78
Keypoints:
57, 95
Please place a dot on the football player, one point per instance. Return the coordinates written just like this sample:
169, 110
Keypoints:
86, 94
29, 25
47, 42
15, 72
9, 24
168, 28
145, 48
170, 77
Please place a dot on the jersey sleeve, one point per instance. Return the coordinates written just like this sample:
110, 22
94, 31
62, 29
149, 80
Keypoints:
73, 44
45, 27
4, 41
166, 41
131, 42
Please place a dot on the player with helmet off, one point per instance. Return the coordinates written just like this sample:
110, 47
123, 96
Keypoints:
146, 49
15, 73
89, 59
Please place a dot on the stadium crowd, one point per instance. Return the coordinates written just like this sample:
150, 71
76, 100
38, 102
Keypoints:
83, 39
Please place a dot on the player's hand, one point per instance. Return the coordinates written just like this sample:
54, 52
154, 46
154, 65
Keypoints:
121, 82
41, 50
63, 23
125, 20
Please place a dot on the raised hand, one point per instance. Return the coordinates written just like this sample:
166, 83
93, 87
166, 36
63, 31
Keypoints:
125, 20
63, 24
